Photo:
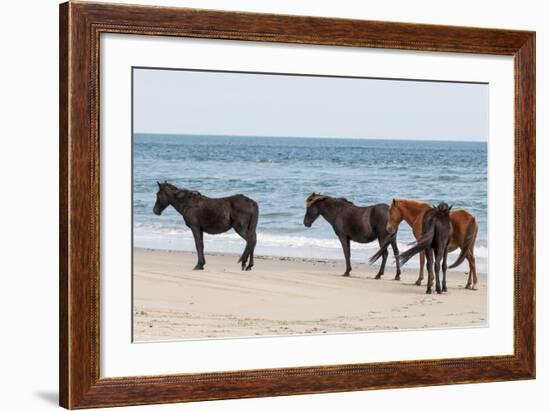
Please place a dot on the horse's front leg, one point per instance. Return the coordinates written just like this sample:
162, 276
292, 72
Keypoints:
396, 255
347, 254
199, 244
417, 231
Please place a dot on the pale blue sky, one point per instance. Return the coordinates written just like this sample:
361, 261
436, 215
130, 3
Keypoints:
194, 102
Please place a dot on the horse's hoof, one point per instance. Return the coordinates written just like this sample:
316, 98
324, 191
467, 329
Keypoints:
438, 291
444, 289
198, 267
345, 275
428, 291
248, 268
418, 282
397, 278
468, 286
378, 276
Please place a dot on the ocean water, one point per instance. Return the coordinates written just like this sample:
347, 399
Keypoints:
279, 173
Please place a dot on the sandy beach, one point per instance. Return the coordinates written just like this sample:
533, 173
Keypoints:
284, 296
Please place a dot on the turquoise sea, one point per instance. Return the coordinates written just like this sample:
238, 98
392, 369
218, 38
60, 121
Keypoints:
280, 172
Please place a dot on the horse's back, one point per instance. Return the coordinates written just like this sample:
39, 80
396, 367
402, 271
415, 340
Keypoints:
240, 207
379, 213
365, 224
241, 201
462, 217
461, 221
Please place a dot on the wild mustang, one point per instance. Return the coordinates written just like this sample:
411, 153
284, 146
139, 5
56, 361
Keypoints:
464, 233
352, 223
437, 231
213, 216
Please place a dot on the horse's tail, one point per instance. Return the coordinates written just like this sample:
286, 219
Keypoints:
471, 234
252, 224
383, 248
420, 245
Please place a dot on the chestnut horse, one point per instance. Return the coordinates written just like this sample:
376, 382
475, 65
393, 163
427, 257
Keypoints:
464, 233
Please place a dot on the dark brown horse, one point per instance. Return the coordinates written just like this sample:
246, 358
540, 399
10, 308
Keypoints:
352, 223
464, 232
213, 216
437, 231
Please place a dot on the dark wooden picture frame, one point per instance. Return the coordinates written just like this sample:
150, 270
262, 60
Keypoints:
80, 27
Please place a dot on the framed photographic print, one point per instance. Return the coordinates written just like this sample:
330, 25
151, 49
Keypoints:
258, 205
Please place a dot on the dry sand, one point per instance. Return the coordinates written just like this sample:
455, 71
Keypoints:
283, 296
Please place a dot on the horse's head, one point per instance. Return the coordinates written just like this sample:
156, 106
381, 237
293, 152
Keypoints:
169, 194
443, 208
163, 198
312, 208
395, 217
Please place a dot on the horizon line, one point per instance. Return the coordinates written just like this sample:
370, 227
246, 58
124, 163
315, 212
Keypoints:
312, 137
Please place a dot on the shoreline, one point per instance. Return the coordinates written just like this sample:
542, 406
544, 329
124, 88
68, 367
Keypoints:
287, 296
412, 265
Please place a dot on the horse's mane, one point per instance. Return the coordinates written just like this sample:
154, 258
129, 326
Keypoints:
172, 187
342, 199
417, 202
314, 197
424, 203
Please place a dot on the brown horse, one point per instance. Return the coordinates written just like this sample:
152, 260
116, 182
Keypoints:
464, 232
437, 231
353, 223
203, 214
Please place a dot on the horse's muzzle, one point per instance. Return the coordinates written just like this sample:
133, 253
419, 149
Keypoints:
156, 211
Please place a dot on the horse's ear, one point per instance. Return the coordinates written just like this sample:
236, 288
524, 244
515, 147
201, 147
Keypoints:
393, 202
451, 206
315, 198
158, 184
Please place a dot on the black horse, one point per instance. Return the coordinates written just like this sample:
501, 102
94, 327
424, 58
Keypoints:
352, 223
437, 232
213, 216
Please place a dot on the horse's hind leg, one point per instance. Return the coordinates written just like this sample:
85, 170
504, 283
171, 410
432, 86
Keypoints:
249, 235
437, 268
472, 275
244, 257
444, 268
252, 245
247, 254
396, 255
383, 265
422, 258
429, 267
